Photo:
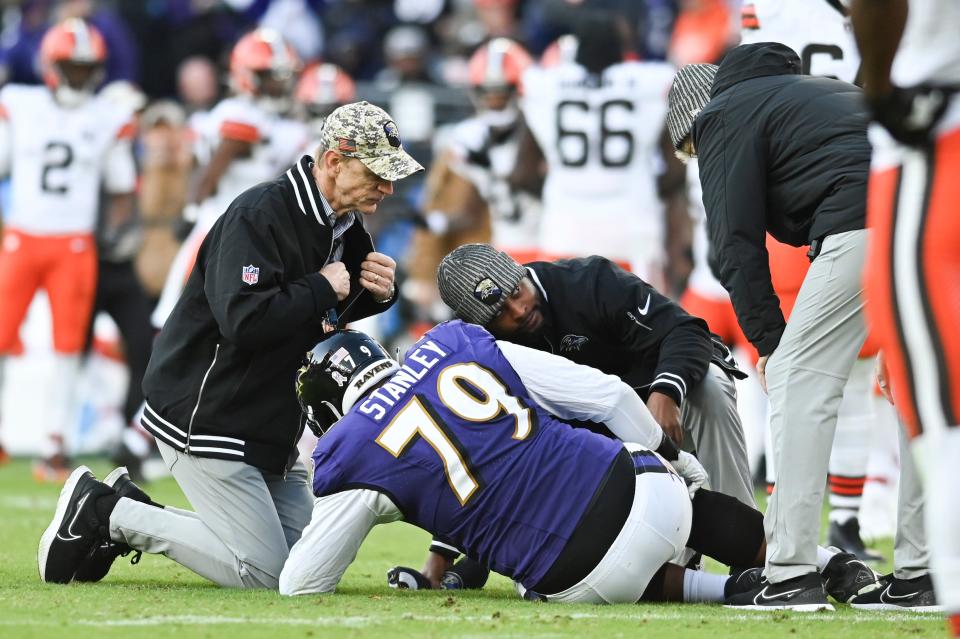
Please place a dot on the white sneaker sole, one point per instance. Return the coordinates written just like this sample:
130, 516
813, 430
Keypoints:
816, 607
51, 532
896, 608
115, 475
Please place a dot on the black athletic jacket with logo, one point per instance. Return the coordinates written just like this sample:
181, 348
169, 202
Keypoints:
597, 314
220, 382
779, 153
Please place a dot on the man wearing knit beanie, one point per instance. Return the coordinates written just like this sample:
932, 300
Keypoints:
592, 312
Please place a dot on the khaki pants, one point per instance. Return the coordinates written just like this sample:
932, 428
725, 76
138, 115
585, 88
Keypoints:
806, 375
712, 426
244, 522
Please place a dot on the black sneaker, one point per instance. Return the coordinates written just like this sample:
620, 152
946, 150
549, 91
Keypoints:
75, 528
130, 461
98, 561
846, 537
845, 577
743, 581
916, 595
801, 594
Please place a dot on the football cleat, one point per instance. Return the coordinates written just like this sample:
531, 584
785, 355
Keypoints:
128, 459
403, 578
98, 561
916, 595
75, 528
846, 536
845, 577
801, 594
744, 581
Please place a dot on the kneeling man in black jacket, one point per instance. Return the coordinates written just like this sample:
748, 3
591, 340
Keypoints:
277, 269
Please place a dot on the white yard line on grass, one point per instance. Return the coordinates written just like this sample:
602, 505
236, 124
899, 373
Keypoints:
375, 620
28, 502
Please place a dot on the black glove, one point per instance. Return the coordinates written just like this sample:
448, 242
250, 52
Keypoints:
403, 578
911, 114
182, 228
120, 243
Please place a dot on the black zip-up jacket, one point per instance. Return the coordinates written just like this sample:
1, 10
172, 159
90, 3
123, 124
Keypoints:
597, 314
221, 379
780, 153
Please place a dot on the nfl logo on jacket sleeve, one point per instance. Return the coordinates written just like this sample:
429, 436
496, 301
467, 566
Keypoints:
251, 274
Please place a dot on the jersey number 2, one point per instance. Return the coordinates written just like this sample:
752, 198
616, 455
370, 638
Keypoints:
472, 393
56, 156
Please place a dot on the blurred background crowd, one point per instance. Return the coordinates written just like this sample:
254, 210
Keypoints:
229, 93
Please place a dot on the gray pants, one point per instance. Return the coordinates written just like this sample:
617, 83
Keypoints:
911, 558
805, 379
245, 520
712, 427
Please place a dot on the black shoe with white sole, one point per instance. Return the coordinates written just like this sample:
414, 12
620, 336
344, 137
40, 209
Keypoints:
916, 595
801, 594
743, 581
98, 561
75, 528
845, 577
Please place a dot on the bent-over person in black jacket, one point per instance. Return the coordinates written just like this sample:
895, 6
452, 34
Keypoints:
287, 260
786, 154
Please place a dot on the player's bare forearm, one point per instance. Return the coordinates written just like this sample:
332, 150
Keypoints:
223, 157
878, 26
120, 209
679, 243
434, 568
528, 172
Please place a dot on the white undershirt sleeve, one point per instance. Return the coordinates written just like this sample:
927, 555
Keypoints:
329, 544
119, 170
574, 391
6, 147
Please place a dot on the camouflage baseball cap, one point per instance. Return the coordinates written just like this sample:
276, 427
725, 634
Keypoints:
366, 132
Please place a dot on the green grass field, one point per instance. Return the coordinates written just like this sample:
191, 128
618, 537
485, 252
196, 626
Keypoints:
158, 598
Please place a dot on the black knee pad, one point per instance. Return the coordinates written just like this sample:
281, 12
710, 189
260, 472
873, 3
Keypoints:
725, 529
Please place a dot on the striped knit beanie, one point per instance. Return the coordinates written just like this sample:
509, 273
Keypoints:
475, 280
688, 95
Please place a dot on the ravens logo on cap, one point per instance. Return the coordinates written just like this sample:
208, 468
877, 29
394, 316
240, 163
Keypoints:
487, 292
393, 134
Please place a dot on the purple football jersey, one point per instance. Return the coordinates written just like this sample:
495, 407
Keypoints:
458, 445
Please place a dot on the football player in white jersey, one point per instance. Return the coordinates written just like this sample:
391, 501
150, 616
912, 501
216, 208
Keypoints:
60, 144
818, 30
470, 196
911, 72
246, 139
599, 123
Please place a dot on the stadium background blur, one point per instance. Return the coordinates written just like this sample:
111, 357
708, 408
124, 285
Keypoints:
169, 60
